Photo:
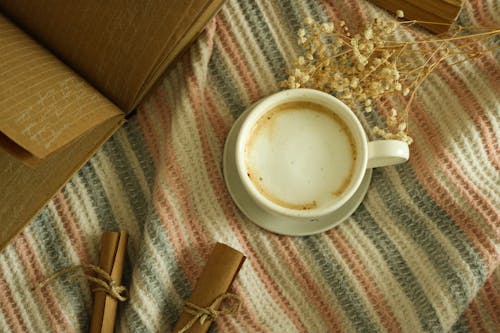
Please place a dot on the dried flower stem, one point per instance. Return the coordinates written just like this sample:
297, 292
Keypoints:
372, 64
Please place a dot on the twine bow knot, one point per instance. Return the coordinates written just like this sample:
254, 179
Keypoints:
211, 312
102, 279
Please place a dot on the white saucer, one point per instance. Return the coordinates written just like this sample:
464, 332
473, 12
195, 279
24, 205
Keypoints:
276, 223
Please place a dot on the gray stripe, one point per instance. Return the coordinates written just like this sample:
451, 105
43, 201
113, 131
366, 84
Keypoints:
292, 17
460, 326
398, 267
225, 84
133, 321
48, 237
133, 196
293, 21
443, 222
135, 136
95, 194
407, 219
341, 285
318, 11
149, 277
264, 38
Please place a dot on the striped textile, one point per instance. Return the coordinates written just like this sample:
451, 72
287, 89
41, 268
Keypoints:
412, 258
483, 313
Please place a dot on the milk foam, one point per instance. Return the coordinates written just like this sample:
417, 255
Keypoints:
300, 155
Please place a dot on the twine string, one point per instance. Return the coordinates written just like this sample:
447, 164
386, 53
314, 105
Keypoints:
100, 277
211, 312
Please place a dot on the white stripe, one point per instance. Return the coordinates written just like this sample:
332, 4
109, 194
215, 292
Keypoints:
357, 287
435, 290
246, 43
66, 246
285, 41
201, 190
87, 219
117, 198
453, 253
140, 298
187, 148
458, 131
3, 323
376, 266
313, 267
21, 290
135, 165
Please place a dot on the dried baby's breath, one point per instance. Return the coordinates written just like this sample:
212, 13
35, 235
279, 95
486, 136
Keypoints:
370, 64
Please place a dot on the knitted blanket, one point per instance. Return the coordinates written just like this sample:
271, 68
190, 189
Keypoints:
419, 255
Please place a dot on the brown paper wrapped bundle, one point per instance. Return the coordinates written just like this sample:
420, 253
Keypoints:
113, 247
209, 297
105, 278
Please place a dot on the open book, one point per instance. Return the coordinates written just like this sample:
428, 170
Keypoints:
69, 73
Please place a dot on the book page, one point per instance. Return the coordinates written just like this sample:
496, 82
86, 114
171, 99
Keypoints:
119, 46
26, 190
44, 105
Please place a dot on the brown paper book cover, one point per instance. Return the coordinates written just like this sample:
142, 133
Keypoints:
69, 73
443, 12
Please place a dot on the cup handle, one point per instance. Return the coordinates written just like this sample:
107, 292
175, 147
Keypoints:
387, 152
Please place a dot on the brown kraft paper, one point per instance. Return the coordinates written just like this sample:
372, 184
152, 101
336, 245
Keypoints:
113, 247
69, 72
217, 276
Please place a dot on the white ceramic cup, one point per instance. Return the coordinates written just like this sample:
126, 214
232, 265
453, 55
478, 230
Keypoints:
367, 154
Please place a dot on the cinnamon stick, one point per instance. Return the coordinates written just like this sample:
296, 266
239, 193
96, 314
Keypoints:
113, 247
217, 276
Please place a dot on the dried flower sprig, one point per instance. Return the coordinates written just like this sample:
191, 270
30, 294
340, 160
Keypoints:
371, 64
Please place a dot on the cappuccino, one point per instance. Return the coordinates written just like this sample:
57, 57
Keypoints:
301, 156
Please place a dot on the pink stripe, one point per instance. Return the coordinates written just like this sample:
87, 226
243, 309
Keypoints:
337, 12
175, 235
195, 100
357, 268
164, 209
476, 112
174, 176
71, 227
469, 101
237, 59
9, 307
439, 194
474, 318
357, 15
171, 224
162, 205
283, 245
288, 253
451, 167
246, 316
481, 14
332, 11
33, 270
221, 128
213, 170
488, 65
453, 170
220, 125
492, 298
